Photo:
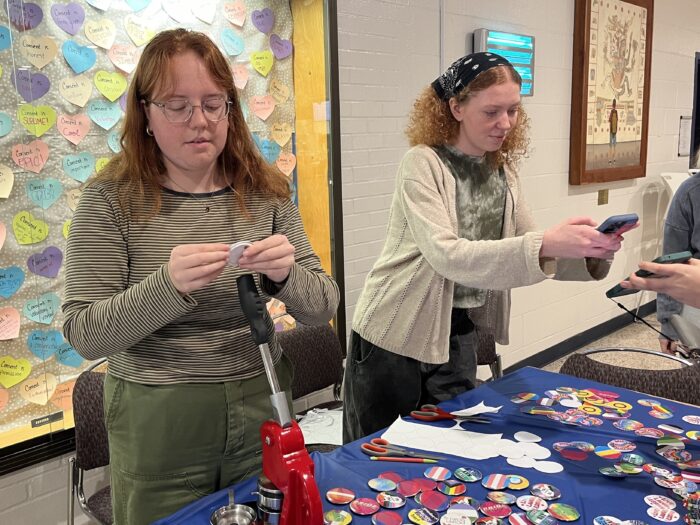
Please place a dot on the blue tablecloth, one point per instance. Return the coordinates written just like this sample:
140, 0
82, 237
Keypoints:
581, 485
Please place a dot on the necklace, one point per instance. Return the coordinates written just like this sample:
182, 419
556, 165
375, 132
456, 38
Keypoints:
198, 196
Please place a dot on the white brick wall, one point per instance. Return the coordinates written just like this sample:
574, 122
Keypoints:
401, 55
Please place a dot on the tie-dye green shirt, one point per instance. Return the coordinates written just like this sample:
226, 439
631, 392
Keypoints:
480, 201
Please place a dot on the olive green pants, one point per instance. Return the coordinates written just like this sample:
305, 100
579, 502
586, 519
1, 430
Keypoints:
172, 444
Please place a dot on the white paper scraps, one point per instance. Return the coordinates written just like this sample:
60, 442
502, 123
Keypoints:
471, 445
549, 467
481, 408
322, 426
527, 437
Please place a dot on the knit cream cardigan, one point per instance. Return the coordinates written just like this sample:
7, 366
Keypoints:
406, 302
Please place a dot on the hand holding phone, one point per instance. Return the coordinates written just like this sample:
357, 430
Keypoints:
670, 258
619, 224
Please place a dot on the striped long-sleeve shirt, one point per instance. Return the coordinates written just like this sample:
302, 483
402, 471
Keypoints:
120, 301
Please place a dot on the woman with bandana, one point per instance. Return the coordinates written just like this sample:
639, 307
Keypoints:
460, 236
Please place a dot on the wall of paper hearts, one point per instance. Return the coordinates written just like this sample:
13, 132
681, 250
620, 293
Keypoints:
64, 72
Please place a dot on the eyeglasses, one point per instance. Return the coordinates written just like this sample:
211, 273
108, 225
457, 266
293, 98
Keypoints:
179, 110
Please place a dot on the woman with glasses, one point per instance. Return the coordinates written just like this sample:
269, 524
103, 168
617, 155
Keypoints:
148, 285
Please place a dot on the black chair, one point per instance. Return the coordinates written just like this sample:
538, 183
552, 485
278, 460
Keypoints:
678, 384
486, 353
91, 448
317, 356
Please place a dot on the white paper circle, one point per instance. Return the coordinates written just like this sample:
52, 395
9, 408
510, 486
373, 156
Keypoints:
523, 462
236, 250
527, 437
536, 451
570, 403
549, 467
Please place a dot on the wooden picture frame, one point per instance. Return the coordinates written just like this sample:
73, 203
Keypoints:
610, 90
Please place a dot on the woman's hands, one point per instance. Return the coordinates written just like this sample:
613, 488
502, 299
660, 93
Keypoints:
576, 238
193, 266
272, 256
681, 281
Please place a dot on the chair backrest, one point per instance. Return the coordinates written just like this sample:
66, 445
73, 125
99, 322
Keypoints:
317, 356
91, 449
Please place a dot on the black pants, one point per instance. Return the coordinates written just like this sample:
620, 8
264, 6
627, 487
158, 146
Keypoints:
380, 385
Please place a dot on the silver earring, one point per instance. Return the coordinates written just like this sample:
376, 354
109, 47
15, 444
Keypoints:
149, 131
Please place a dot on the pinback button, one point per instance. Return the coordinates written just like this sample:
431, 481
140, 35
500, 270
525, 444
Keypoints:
408, 488
437, 473
671, 428
496, 510
606, 520
340, 496
611, 472
628, 468
236, 250
468, 474
337, 517
489, 520
423, 516
424, 485
517, 482
393, 476
387, 517
518, 518
693, 420
540, 517
433, 500
464, 500
666, 515
451, 487
564, 512
545, 491
500, 497
495, 481
633, 459
649, 432
455, 519
364, 506
531, 503
391, 500
622, 445
662, 502
381, 484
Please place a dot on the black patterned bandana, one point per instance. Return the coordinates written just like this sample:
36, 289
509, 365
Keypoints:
463, 71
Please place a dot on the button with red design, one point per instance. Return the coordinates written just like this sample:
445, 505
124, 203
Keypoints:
488, 520
393, 476
364, 506
425, 485
495, 510
518, 518
387, 517
667, 515
391, 500
408, 488
340, 496
531, 503
433, 500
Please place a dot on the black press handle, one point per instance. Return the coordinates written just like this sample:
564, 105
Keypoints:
253, 308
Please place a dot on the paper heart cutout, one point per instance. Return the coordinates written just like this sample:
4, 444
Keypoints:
270, 150
76, 90
235, 12
38, 51
11, 280
102, 5
38, 389
79, 58
79, 166
73, 197
28, 229
5, 38
101, 163
178, 10
69, 17
124, 56
42, 309
62, 397
31, 86
281, 132
5, 124
44, 192
280, 47
206, 10
263, 20
13, 371
68, 356
101, 32
66, 229
233, 44
262, 61
139, 30
4, 398
104, 114
46, 263
240, 75
9, 323
24, 15
7, 180
286, 163
262, 107
3, 234
44, 343
37, 120
111, 85
138, 5
279, 91
73, 127
114, 141
122, 102
32, 157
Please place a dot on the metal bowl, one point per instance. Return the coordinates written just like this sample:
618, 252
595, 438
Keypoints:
233, 515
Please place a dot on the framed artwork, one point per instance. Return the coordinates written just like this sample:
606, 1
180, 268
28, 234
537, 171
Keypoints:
610, 90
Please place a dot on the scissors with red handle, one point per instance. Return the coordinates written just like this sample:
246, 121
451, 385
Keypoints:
434, 413
381, 447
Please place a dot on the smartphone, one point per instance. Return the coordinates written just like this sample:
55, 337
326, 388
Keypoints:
619, 223
669, 258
